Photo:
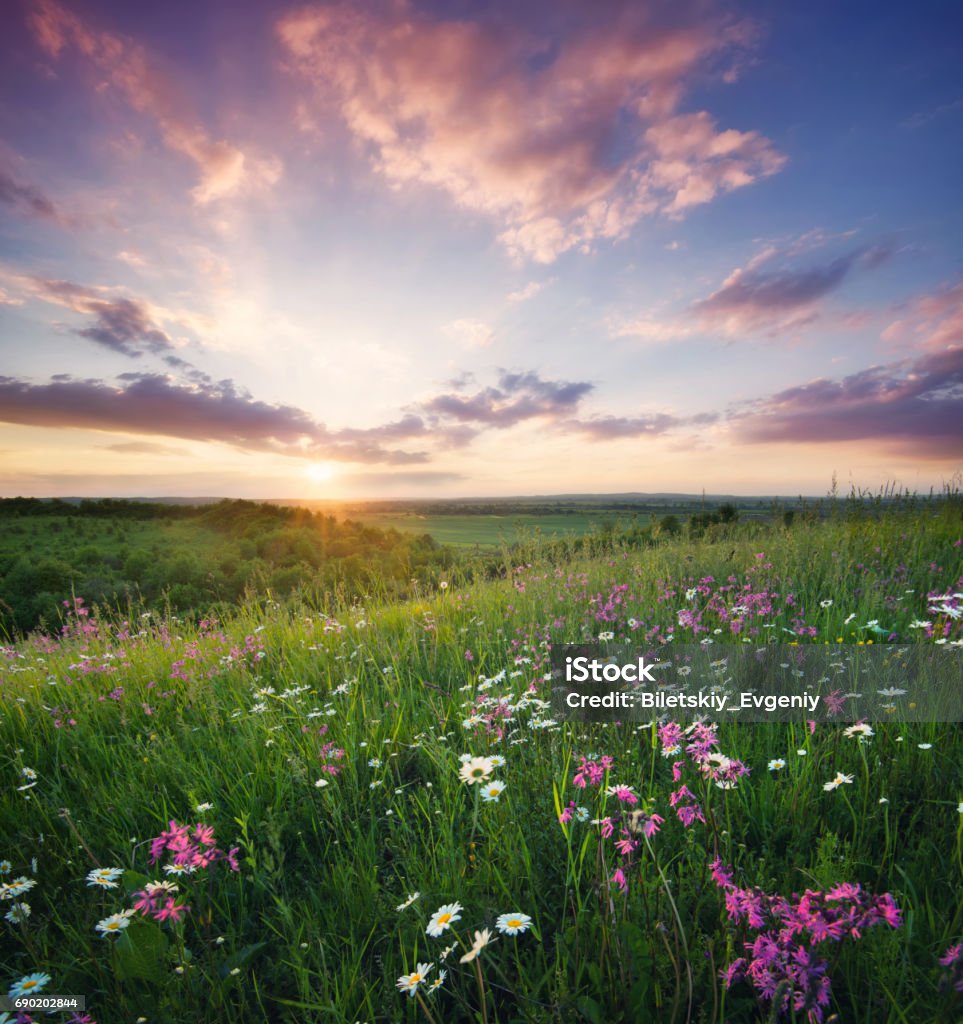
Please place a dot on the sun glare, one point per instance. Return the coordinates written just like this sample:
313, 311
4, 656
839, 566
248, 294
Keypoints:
319, 472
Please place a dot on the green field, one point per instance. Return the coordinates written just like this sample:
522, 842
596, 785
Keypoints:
492, 530
317, 760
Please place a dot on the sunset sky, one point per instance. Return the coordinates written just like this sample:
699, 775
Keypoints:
479, 248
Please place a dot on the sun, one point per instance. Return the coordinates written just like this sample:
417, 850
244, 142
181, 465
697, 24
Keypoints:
319, 472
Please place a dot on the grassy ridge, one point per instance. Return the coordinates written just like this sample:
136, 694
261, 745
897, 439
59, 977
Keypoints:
128, 726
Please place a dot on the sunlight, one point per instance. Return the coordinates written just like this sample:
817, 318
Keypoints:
320, 471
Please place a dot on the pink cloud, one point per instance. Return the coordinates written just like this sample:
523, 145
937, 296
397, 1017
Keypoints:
565, 141
913, 407
199, 410
128, 68
29, 199
759, 298
933, 321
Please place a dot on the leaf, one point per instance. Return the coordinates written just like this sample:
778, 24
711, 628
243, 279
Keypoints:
133, 881
591, 1010
241, 958
139, 951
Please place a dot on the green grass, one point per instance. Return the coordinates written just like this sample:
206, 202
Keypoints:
241, 714
493, 530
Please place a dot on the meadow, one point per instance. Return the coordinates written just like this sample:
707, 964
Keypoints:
181, 557
493, 529
367, 812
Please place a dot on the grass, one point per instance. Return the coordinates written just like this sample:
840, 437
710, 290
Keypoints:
491, 530
129, 726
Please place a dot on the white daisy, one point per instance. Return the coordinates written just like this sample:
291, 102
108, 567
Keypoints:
443, 918
409, 982
513, 924
491, 791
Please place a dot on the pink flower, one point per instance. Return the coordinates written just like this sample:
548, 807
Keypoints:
171, 911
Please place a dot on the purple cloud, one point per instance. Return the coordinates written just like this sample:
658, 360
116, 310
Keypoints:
29, 200
154, 404
752, 300
916, 405
517, 397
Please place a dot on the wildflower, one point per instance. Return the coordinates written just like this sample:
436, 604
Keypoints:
476, 770
5, 867
777, 764
320, 783
891, 691
482, 939
860, 729
497, 760
959, 807
106, 878
17, 887
443, 919
623, 793
513, 924
838, 781
409, 982
28, 773
178, 869
28, 985
953, 958
407, 903
826, 604
114, 924
492, 791
18, 913
925, 746
374, 762
438, 982
801, 752
201, 808
606, 636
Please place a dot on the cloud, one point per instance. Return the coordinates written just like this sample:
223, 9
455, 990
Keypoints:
648, 329
933, 321
123, 325
753, 300
31, 201
470, 333
516, 398
154, 404
565, 138
143, 448
692, 162
127, 67
612, 428
523, 397
528, 292
914, 406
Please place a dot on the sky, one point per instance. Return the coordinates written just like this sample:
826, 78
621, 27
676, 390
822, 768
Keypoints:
465, 248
